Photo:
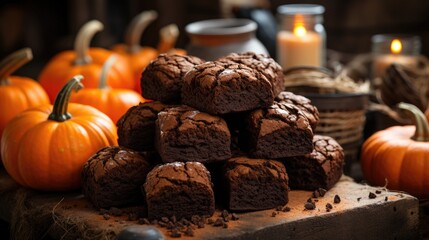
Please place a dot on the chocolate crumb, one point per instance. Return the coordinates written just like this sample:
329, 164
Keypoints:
225, 225
106, 216
372, 195
359, 198
309, 206
273, 214
210, 221
224, 214
201, 224
385, 199
219, 222
286, 209
279, 208
175, 234
329, 207
315, 200
234, 217
310, 200
189, 232
377, 191
322, 192
337, 199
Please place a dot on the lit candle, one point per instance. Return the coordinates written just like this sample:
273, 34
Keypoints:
300, 47
381, 62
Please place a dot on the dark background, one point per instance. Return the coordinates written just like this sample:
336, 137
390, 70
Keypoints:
50, 26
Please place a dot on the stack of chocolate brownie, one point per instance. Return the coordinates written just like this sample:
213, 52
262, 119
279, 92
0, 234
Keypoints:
229, 113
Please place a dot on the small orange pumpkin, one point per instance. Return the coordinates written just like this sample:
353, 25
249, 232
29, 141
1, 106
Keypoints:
399, 156
17, 93
84, 61
45, 147
138, 56
114, 102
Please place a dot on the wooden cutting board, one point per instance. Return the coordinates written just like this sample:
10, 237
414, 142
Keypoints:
390, 215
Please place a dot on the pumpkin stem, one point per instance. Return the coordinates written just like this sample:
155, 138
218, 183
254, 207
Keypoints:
13, 62
422, 127
59, 111
83, 40
136, 28
106, 66
168, 35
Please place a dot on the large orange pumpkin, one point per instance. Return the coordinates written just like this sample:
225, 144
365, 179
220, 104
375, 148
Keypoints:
17, 93
114, 102
84, 61
399, 156
45, 147
138, 56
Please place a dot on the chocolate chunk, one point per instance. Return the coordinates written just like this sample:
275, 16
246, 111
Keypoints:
359, 198
273, 214
377, 191
286, 209
219, 222
189, 232
329, 207
234, 217
309, 206
337, 199
386, 198
372, 195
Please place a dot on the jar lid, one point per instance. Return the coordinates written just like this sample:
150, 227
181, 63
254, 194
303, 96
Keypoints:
304, 9
230, 26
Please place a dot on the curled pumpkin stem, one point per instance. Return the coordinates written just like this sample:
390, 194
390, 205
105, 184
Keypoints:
59, 111
13, 62
136, 28
168, 36
422, 127
83, 40
106, 66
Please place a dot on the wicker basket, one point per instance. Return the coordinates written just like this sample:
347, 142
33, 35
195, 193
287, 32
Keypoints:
342, 117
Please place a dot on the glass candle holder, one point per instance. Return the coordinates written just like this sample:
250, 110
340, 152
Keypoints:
301, 38
390, 48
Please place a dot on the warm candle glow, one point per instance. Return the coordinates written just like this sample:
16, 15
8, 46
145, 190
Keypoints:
299, 29
396, 46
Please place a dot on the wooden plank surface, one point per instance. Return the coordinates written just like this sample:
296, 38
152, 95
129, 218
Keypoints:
391, 215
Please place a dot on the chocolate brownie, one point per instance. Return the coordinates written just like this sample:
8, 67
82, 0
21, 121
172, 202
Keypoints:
179, 189
162, 78
279, 131
304, 104
113, 176
255, 184
322, 168
262, 63
220, 88
136, 128
185, 134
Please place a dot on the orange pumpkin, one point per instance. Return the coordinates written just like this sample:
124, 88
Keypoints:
84, 61
114, 102
17, 93
399, 156
45, 147
138, 56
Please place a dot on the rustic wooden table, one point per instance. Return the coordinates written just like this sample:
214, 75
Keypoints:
391, 215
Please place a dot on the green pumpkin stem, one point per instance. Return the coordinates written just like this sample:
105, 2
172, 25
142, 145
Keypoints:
422, 127
106, 66
13, 62
59, 111
136, 28
83, 40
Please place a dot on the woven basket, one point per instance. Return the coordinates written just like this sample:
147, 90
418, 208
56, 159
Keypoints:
342, 117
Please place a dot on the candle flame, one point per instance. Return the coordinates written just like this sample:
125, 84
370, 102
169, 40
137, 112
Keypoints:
299, 28
396, 46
